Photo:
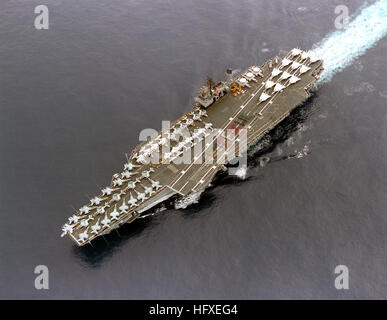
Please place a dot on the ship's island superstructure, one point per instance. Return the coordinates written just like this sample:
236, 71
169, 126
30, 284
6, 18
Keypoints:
256, 100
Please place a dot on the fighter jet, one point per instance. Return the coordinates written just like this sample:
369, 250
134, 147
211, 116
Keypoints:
114, 214
295, 52
129, 166
123, 208
73, 219
90, 217
117, 182
66, 229
83, 236
196, 117
203, 113
132, 201
304, 69
208, 125
146, 174
148, 190
95, 228
132, 184
141, 196
155, 184
84, 210
101, 210
107, 191
95, 201
105, 222
116, 197
126, 174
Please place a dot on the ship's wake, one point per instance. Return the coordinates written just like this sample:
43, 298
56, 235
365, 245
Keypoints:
340, 48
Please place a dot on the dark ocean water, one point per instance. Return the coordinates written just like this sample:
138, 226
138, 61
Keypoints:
74, 98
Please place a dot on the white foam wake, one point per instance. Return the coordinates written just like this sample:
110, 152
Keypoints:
189, 199
340, 48
241, 172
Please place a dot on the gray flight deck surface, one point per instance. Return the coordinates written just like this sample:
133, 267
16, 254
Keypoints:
123, 202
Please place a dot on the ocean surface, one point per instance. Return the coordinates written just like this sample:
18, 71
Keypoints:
74, 98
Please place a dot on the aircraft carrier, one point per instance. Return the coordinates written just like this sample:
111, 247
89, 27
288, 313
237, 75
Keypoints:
183, 158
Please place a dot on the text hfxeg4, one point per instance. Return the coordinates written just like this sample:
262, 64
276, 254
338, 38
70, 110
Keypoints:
256, 100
